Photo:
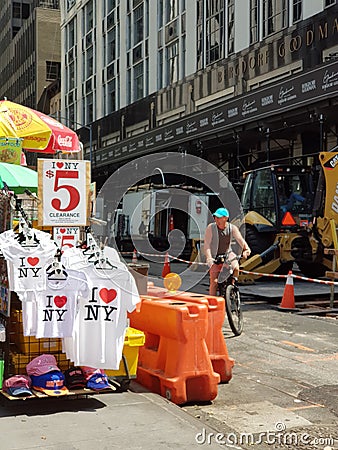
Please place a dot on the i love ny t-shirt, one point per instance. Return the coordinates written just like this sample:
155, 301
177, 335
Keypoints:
56, 306
101, 321
28, 265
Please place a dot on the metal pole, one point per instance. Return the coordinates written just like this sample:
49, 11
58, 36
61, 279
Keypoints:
321, 132
268, 144
88, 127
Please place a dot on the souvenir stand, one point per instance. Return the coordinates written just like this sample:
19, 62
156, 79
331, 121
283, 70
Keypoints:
5, 295
17, 350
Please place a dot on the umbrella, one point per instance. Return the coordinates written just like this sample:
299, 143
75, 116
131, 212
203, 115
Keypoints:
18, 178
40, 133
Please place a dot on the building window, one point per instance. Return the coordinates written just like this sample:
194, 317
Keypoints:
71, 76
129, 86
16, 7
160, 70
231, 26
200, 34
138, 24
172, 63
89, 108
254, 36
329, 2
171, 10
70, 4
160, 14
111, 4
183, 56
111, 96
146, 70
88, 16
297, 10
70, 35
138, 81
274, 16
111, 45
214, 31
52, 70
52, 4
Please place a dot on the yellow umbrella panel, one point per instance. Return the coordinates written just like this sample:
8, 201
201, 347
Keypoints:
22, 122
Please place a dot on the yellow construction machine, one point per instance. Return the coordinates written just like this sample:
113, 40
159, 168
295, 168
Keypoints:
291, 216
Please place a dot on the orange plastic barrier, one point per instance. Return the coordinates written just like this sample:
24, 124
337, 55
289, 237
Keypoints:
215, 341
174, 361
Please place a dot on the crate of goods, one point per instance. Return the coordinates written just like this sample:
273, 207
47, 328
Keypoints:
132, 341
29, 344
19, 362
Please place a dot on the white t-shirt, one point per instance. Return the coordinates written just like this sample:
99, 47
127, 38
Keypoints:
101, 321
57, 305
28, 264
76, 258
28, 312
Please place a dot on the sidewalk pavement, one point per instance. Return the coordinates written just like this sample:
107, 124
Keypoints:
133, 420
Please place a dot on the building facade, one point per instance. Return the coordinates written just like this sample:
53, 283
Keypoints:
30, 49
237, 82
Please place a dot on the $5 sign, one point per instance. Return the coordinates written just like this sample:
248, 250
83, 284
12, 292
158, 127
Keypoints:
65, 187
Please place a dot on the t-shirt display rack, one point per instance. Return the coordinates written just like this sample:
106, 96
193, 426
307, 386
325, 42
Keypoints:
18, 350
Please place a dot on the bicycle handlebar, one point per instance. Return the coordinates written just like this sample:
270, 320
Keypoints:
224, 258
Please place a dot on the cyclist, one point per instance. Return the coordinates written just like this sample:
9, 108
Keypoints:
217, 241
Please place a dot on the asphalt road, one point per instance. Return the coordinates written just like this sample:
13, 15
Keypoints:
284, 381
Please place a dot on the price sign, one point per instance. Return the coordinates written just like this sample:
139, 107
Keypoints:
64, 192
66, 237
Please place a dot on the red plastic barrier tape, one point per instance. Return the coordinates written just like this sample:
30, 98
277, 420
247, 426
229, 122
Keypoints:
270, 275
298, 277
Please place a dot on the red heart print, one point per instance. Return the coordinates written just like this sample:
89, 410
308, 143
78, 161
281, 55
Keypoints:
60, 300
33, 261
107, 295
62, 230
59, 165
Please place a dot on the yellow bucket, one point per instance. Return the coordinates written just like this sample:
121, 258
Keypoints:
132, 341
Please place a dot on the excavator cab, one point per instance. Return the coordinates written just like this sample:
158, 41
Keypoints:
274, 199
291, 215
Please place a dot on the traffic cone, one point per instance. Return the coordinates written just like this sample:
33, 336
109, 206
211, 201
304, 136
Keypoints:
288, 300
134, 260
166, 266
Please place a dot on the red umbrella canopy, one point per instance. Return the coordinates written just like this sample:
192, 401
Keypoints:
39, 132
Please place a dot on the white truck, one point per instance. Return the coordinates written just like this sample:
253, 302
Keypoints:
156, 212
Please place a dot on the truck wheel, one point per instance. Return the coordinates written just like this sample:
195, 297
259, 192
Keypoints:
314, 270
258, 242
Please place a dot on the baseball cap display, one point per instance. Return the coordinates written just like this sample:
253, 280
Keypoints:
98, 381
90, 371
221, 212
50, 383
74, 378
42, 364
18, 386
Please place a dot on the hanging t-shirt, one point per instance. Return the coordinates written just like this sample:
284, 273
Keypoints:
101, 321
28, 313
28, 264
56, 306
8, 236
76, 258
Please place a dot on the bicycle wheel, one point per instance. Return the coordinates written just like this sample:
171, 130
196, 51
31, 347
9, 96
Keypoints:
233, 309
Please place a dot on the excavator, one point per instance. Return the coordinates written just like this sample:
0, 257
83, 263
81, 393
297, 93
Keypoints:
291, 216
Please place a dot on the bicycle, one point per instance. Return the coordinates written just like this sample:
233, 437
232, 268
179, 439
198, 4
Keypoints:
228, 288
